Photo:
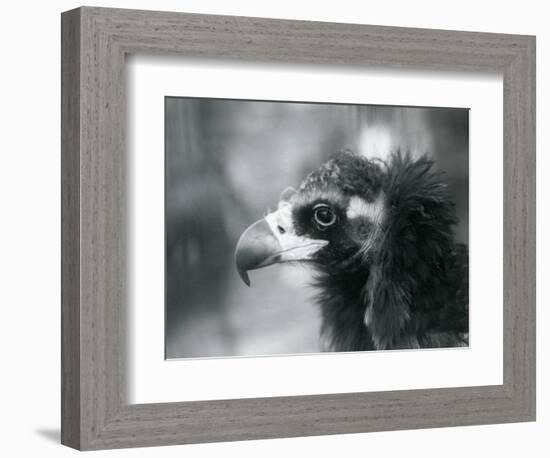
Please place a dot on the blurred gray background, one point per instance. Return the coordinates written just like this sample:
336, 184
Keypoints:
227, 162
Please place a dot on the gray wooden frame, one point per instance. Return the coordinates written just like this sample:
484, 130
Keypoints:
95, 413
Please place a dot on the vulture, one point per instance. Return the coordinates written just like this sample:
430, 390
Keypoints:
379, 237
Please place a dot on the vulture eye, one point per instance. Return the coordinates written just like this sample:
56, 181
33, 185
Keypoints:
324, 216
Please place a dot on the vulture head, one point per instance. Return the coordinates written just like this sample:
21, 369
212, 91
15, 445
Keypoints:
379, 236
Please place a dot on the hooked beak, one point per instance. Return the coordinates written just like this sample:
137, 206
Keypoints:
257, 247
272, 240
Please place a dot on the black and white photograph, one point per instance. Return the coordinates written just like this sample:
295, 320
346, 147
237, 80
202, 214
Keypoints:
299, 227
275, 229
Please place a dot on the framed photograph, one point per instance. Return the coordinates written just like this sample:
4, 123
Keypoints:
277, 228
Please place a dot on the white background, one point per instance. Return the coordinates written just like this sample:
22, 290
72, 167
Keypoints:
29, 241
155, 380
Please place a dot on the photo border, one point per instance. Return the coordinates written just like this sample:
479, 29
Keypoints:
95, 41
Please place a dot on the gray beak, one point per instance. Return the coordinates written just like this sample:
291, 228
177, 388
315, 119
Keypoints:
258, 247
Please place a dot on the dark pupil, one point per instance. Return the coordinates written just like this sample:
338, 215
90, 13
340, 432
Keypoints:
324, 216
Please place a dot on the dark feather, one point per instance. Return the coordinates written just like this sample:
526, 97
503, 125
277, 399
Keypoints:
411, 290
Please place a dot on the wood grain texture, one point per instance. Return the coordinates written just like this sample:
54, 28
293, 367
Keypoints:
95, 413
70, 229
